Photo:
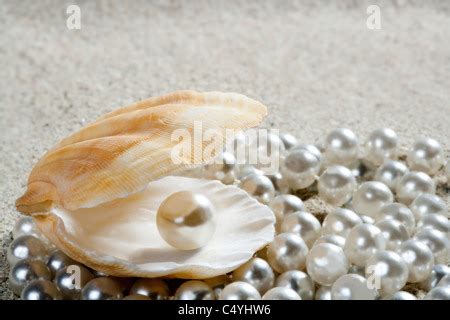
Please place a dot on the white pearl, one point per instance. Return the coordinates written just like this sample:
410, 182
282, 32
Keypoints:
289, 140
25, 271
388, 271
418, 258
400, 295
394, 232
439, 272
25, 247
279, 182
256, 272
264, 147
390, 173
352, 287
311, 148
194, 290
381, 145
426, 204
437, 241
363, 241
287, 252
413, 184
103, 288
300, 168
185, 220
399, 212
340, 222
246, 170
435, 221
336, 185
370, 197
239, 291
341, 147
438, 293
367, 219
323, 293
303, 224
281, 294
70, 287
298, 281
25, 226
426, 155
222, 168
331, 238
41, 290
285, 204
155, 289
258, 186
326, 263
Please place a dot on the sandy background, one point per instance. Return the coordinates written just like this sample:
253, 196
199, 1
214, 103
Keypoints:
314, 64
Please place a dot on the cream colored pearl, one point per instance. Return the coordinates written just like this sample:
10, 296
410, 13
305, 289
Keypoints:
381, 145
287, 252
394, 233
323, 293
336, 185
185, 220
363, 241
418, 258
400, 295
258, 186
427, 203
256, 272
341, 147
390, 173
194, 290
300, 168
340, 222
281, 294
326, 263
239, 291
298, 281
285, 204
426, 155
435, 221
311, 148
413, 184
331, 238
399, 212
437, 241
352, 287
303, 224
370, 197
439, 272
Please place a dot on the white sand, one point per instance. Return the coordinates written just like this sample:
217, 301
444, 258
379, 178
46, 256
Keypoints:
316, 66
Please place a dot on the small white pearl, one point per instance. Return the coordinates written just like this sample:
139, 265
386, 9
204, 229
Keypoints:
246, 170
185, 220
400, 295
381, 145
390, 173
363, 241
239, 291
298, 281
340, 222
438, 293
258, 186
341, 147
289, 141
426, 155
300, 168
426, 204
285, 204
279, 182
287, 252
399, 212
367, 219
326, 263
281, 294
194, 290
435, 221
439, 271
413, 184
311, 148
256, 272
336, 185
418, 258
223, 168
437, 241
323, 293
303, 224
394, 232
331, 238
352, 287
370, 197
388, 271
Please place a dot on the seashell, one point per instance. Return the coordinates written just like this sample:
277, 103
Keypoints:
96, 193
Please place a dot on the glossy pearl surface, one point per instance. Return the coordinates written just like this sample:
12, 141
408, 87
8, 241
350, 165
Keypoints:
331, 238
25, 226
25, 247
25, 271
303, 224
363, 241
438, 293
256, 272
336, 185
340, 222
413, 184
435, 221
439, 271
341, 147
323, 293
279, 183
300, 168
394, 233
390, 173
281, 294
289, 140
426, 204
311, 148
386, 271
194, 290
41, 290
258, 186
398, 212
326, 263
437, 241
419, 259
58, 260
400, 295
155, 289
381, 145
223, 168
426, 155
103, 288
287, 252
285, 204
370, 197
185, 220
352, 287
70, 280
239, 291
298, 281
